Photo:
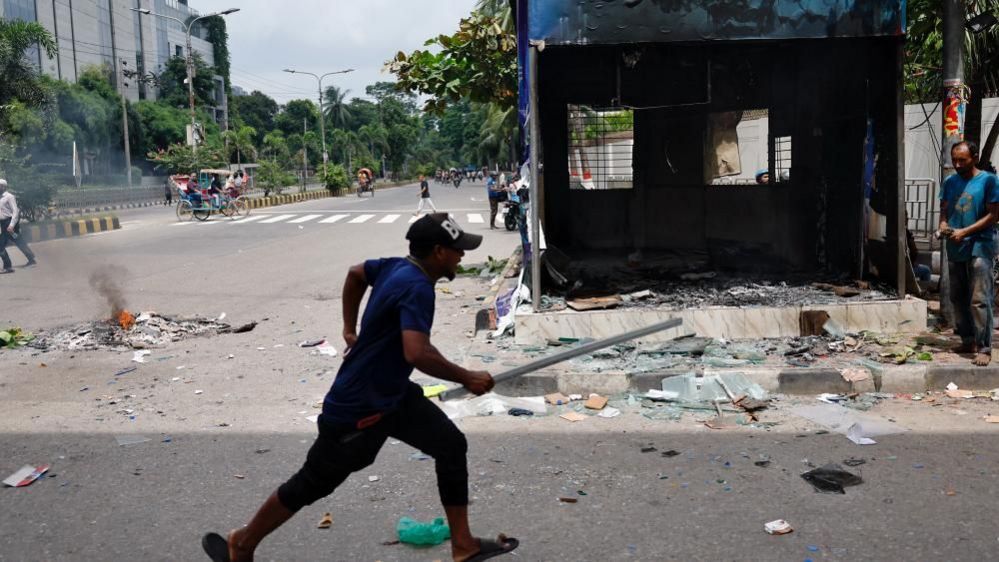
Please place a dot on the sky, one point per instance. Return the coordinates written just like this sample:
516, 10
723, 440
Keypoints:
322, 36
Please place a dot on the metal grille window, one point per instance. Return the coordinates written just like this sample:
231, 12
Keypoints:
601, 144
782, 159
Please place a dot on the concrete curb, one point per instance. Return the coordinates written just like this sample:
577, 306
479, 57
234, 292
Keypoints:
904, 379
485, 318
67, 228
287, 198
105, 208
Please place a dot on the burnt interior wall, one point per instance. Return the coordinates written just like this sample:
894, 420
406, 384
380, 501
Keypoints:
819, 92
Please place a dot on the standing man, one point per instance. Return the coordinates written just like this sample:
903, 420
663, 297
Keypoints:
167, 192
10, 229
496, 195
424, 196
969, 208
373, 399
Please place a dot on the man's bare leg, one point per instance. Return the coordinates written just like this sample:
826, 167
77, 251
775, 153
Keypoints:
243, 541
463, 544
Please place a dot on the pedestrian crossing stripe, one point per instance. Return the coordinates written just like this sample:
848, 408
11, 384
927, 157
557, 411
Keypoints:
471, 218
306, 218
279, 218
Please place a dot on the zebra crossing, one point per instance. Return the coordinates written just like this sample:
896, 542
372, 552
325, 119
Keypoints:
342, 218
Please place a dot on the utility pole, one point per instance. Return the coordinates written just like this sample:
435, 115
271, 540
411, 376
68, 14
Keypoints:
189, 60
955, 96
305, 155
322, 118
124, 124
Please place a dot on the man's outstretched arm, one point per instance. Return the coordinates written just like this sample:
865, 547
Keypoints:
353, 291
421, 354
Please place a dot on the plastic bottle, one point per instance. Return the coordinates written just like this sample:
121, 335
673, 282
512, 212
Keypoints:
414, 532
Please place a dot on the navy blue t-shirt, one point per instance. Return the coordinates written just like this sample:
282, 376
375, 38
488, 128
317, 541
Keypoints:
374, 376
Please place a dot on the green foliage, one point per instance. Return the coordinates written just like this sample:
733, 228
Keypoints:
14, 337
161, 125
173, 90
218, 36
241, 141
478, 63
337, 112
21, 81
256, 110
271, 176
294, 113
335, 178
34, 190
180, 158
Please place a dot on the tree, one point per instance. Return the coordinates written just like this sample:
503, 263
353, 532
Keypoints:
173, 90
182, 159
21, 81
161, 125
276, 146
256, 110
272, 176
292, 115
479, 63
241, 141
337, 112
924, 64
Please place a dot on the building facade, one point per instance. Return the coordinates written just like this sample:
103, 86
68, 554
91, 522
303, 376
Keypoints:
108, 32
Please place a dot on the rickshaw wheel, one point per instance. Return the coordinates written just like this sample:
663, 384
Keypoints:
228, 210
240, 207
184, 210
202, 214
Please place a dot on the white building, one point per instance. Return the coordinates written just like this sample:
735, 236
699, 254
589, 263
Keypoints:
97, 32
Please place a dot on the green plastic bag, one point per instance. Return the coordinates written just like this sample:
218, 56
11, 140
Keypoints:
412, 531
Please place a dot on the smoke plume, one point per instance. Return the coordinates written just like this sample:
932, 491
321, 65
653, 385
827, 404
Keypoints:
106, 281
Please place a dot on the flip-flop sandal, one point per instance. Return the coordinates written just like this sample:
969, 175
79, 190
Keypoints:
216, 547
490, 549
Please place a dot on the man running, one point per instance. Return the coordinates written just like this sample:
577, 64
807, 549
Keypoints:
372, 398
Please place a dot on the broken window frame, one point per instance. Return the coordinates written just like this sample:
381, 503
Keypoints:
594, 170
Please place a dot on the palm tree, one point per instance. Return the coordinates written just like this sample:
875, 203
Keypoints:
240, 141
336, 111
21, 78
498, 134
276, 146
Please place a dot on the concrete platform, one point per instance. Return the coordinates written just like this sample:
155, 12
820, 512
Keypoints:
889, 316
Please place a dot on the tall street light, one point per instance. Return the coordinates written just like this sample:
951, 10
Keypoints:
190, 61
322, 128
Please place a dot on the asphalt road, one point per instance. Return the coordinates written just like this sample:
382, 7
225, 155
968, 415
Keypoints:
226, 419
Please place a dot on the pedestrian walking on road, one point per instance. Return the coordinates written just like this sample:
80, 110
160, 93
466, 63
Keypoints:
167, 192
10, 229
424, 196
969, 209
372, 398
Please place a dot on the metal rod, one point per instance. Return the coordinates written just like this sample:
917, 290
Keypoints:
535, 188
569, 354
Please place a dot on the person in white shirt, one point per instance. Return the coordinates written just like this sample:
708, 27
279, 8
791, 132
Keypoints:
10, 229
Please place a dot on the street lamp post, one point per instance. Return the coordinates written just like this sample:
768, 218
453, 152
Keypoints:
189, 59
322, 127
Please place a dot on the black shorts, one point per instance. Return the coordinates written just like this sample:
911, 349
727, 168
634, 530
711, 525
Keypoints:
341, 449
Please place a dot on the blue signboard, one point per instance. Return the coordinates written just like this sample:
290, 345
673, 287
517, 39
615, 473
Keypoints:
582, 22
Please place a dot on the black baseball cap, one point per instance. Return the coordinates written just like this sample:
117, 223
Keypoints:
439, 228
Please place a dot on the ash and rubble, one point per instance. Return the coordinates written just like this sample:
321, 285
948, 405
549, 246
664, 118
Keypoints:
149, 331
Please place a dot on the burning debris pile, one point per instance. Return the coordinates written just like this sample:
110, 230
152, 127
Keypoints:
124, 330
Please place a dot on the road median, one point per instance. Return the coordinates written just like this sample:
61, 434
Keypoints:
67, 228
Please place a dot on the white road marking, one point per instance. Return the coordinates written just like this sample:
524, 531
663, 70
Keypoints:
414, 219
185, 223
388, 219
333, 219
278, 218
360, 219
306, 218
249, 219
475, 218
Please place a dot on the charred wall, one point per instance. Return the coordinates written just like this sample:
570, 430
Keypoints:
820, 93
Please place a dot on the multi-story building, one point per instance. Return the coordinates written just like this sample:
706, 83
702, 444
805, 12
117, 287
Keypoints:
109, 32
